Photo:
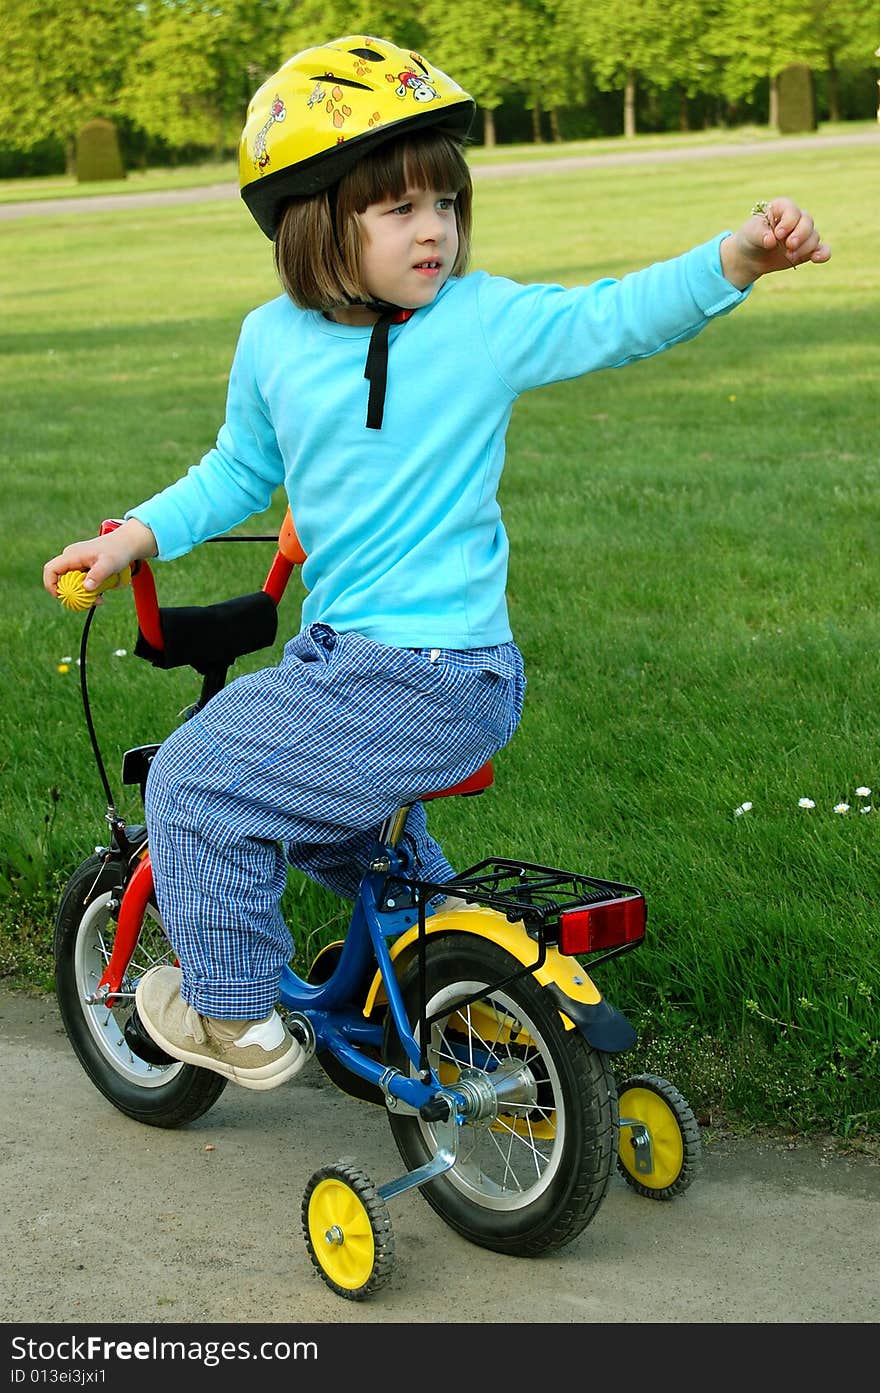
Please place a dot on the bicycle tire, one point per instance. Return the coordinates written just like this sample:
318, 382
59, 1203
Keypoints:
531, 1179
159, 1095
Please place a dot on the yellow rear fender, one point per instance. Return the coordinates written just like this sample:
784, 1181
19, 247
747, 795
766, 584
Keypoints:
580, 1003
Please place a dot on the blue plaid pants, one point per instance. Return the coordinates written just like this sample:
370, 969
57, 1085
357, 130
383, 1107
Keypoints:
300, 764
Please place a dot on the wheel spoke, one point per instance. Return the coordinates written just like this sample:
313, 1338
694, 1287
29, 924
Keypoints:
105, 1023
529, 1144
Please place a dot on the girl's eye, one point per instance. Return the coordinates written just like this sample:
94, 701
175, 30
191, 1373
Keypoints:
445, 204
402, 208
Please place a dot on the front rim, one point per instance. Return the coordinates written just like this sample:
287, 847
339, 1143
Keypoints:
106, 1024
507, 1161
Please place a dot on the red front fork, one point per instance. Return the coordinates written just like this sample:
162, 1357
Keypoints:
135, 899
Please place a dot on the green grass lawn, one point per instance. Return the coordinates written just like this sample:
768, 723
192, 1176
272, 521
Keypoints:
198, 176
694, 584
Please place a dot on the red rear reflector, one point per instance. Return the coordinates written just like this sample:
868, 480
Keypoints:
605, 925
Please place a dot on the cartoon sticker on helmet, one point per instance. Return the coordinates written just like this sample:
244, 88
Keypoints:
338, 110
411, 82
416, 83
277, 112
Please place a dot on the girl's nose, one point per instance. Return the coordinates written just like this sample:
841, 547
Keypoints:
433, 228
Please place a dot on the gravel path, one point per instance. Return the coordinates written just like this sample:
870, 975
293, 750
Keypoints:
537, 167
109, 1220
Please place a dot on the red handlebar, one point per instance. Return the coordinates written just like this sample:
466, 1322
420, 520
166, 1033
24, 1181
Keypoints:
144, 587
288, 555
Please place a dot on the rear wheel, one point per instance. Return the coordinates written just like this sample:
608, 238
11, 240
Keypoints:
531, 1173
165, 1094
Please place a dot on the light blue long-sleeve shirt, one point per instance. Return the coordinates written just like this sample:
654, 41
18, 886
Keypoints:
402, 528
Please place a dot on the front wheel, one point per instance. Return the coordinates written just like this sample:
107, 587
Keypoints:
162, 1095
531, 1172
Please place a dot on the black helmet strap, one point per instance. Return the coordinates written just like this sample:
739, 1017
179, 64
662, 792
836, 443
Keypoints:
376, 370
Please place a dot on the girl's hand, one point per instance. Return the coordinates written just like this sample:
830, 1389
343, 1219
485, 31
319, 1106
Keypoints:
101, 557
777, 236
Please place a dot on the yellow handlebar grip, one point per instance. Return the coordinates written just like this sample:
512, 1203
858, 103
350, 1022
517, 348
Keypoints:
72, 594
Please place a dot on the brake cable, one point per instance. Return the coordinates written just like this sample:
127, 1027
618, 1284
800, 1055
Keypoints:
87, 710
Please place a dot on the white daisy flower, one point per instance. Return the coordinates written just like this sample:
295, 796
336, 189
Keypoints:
120, 652
865, 808
806, 803
841, 807
863, 792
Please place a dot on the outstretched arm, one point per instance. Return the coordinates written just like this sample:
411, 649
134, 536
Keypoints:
778, 235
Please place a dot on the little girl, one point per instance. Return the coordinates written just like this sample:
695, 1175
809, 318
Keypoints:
377, 390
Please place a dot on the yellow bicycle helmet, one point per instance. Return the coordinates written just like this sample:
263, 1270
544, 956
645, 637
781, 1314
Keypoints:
325, 107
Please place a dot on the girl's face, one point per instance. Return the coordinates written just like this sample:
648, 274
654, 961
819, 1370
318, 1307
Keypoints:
409, 248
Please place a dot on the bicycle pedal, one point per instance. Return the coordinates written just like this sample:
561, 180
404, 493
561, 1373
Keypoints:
302, 1031
142, 1044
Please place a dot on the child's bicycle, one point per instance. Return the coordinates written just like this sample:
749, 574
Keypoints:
474, 1025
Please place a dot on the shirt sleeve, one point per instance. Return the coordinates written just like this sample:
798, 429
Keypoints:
536, 334
233, 480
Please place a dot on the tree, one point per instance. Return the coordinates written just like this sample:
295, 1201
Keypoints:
626, 39
174, 88
489, 49
685, 59
754, 42
62, 63
846, 35
554, 66
314, 22
192, 75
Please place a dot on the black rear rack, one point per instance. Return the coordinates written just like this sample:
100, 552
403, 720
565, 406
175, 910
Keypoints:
523, 891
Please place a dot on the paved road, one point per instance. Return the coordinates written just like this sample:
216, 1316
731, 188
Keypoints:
107, 1219
538, 168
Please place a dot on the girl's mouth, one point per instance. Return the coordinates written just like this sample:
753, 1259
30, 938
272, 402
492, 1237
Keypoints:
427, 268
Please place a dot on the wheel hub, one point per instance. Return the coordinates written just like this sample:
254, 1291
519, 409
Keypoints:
487, 1094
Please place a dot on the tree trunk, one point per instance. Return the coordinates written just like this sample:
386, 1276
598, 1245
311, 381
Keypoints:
833, 89
629, 106
489, 127
773, 113
684, 115
537, 137
70, 155
555, 132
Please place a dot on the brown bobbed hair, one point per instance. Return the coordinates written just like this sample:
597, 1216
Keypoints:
318, 242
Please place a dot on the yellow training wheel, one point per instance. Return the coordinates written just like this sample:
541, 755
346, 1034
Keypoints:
659, 1138
72, 594
347, 1230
